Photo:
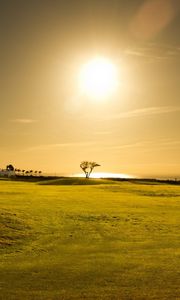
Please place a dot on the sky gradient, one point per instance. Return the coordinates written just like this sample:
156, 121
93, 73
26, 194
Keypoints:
46, 124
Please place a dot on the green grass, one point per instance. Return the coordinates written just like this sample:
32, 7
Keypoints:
109, 241
75, 181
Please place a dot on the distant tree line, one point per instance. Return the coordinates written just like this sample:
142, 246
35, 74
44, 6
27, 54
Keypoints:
22, 172
27, 172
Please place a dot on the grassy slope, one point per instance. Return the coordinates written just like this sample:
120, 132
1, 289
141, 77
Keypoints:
75, 181
116, 241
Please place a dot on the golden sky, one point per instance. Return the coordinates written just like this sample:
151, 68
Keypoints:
48, 125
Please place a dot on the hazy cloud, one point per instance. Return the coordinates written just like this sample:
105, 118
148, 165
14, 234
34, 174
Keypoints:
24, 121
133, 145
150, 52
102, 132
149, 111
148, 145
59, 145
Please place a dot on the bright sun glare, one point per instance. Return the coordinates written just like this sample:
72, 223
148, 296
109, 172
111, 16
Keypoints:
98, 78
105, 175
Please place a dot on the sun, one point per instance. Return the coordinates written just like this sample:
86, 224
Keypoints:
98, 78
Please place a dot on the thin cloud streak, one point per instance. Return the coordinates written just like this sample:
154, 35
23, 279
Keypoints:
24, 121
152, 52
149, 111
150, 145
58, 145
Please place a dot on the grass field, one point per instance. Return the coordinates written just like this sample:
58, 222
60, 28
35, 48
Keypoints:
102, 241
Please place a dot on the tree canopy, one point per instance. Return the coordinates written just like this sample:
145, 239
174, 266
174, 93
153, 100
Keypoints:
88, 166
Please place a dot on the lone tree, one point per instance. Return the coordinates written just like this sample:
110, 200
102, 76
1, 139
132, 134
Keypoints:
88, 166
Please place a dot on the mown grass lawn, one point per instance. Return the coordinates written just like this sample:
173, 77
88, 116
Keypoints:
108, 241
